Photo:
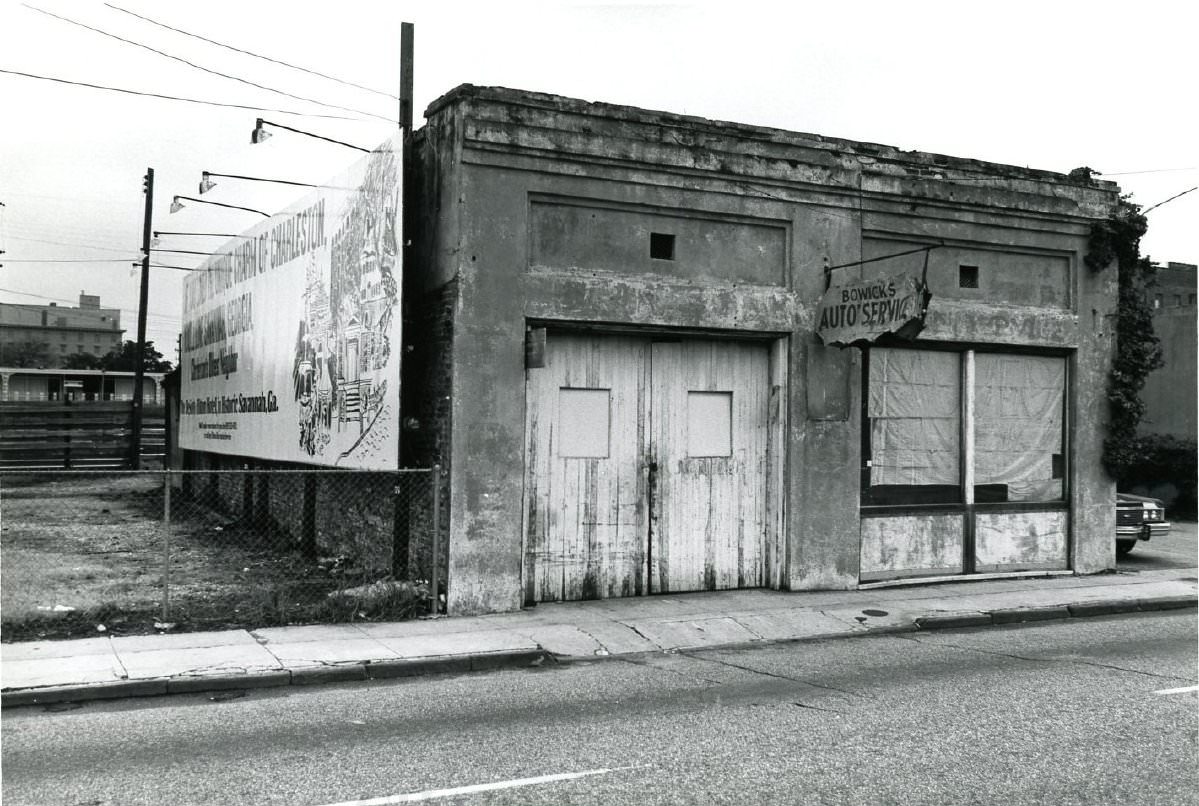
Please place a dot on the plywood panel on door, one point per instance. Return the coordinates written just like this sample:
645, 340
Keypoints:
585, 520
709, 430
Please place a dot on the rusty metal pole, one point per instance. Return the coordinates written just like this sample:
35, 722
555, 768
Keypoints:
166, 545
436, 537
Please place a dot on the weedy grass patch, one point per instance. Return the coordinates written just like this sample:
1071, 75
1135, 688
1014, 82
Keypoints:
81, 555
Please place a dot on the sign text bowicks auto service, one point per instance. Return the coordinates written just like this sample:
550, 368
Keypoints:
864, 310
291, 337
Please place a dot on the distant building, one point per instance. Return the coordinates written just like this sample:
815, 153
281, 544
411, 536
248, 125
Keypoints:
65, 331
1171, 393
31, 384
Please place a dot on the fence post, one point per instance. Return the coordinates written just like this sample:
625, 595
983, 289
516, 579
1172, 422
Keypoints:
436, 559
66, 440
166, 545
247, 495
399, 536
308, 518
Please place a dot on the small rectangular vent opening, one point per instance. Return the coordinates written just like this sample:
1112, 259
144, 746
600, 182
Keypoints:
661, 246
968, 276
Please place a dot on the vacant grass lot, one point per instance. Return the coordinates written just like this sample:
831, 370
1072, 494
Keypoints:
81, 551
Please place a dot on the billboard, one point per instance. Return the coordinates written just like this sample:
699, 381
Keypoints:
290, 348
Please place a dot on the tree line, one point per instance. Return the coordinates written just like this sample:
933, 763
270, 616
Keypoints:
37, 354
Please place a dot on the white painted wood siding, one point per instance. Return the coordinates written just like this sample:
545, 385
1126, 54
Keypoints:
708, 530
585, 518
688, 417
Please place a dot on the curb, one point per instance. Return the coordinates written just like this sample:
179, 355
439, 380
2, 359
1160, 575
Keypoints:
320, 675
1018, 615
527, 658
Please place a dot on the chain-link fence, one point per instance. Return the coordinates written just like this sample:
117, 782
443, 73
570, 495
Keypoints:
87, 551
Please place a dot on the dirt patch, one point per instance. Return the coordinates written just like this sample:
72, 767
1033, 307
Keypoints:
78, 552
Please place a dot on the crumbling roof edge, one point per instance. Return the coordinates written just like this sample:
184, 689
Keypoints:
875, 151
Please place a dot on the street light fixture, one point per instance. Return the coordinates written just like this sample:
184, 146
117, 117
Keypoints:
177, 205
260, 134
158, 232
206, 183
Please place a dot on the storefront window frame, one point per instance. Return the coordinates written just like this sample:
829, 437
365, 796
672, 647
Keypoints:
966, 503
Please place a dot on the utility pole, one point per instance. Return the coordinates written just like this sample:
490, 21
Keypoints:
401, 543
143, 300
406, 64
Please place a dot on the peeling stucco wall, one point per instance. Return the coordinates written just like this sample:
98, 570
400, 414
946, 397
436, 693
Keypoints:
532, 192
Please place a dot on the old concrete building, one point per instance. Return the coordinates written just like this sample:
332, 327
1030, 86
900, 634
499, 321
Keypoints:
617, 347
1171, 392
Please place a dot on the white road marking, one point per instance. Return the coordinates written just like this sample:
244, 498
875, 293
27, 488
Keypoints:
430, 794
1183, 690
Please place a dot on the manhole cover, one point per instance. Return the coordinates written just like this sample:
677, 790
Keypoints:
875, 612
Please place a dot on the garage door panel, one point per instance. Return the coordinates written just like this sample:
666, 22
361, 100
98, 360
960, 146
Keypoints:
646, 467
709, 415
585, 532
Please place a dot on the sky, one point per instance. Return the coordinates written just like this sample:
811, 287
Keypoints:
1045, 85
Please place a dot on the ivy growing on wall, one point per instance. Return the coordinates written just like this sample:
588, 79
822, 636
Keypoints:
1138, 351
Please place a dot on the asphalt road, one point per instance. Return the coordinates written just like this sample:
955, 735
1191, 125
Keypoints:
1065, 712
1178, 549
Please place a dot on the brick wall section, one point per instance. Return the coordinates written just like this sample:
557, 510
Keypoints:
428, 375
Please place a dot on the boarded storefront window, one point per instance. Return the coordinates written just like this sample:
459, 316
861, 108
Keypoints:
913, 449
1018, 405
914, 420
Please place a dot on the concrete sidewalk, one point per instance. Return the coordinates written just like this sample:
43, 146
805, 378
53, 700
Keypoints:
106, 667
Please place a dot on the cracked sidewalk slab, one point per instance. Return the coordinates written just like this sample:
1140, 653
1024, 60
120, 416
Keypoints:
216, 660
693, 634
140, 665
315, 653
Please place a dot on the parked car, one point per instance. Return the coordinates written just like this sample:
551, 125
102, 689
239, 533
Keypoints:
1138, 518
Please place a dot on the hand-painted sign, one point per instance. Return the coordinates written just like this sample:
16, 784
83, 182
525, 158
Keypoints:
864, 310
291, 332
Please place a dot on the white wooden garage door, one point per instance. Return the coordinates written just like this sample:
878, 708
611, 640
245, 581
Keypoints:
646, 467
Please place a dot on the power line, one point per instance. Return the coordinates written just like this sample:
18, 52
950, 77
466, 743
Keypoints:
60, 197
1153, 171
74, 301
71, 243
202, 68
171, 98
1172, 198
251, 53
67, 260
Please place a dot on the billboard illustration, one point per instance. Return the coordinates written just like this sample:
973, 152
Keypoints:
290, 348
